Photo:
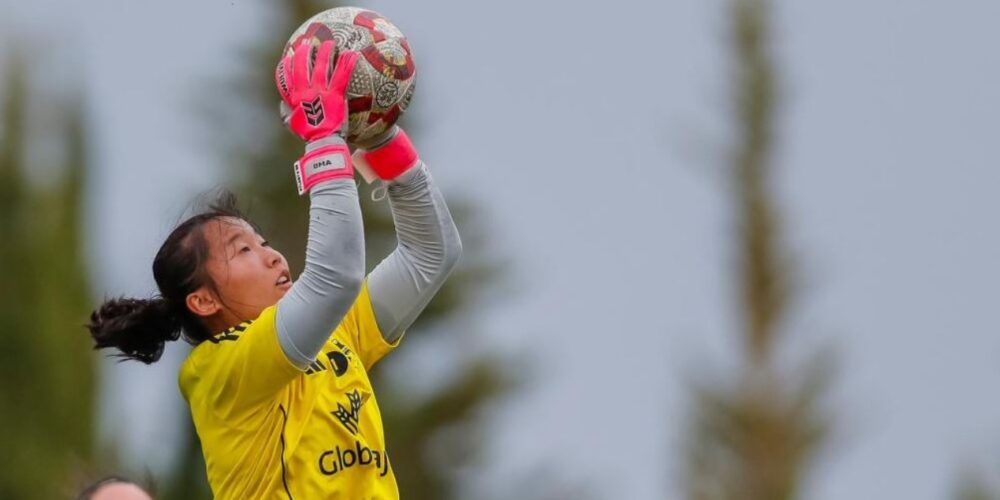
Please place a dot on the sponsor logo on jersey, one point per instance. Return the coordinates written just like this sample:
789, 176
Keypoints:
333, 461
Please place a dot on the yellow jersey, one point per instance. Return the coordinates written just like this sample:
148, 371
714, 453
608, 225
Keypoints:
270, 430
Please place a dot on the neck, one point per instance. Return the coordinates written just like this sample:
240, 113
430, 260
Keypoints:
221, 321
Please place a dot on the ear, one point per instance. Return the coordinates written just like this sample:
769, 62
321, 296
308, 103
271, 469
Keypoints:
202, 302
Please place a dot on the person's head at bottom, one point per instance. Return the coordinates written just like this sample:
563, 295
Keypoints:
113, 488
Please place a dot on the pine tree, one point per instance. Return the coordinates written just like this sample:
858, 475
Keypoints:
260, 157
757, 436
46, 370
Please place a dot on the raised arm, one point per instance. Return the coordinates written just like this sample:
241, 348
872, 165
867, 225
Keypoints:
333, 273
335, 256
428, 244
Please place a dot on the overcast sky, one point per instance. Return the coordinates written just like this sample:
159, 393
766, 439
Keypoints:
589, 136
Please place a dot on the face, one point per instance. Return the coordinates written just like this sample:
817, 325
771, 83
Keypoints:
248, 274
120, 491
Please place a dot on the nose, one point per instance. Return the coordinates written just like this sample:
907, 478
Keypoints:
272, 257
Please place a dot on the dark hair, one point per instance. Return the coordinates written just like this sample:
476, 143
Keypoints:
140, 328
88, 492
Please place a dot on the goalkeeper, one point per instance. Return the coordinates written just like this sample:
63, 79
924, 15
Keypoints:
278, 381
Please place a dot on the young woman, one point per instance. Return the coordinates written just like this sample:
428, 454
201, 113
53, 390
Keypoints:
278, 381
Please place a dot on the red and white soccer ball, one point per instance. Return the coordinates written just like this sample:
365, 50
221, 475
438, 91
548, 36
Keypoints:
383, 81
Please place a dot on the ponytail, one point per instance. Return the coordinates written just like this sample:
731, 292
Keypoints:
138, 328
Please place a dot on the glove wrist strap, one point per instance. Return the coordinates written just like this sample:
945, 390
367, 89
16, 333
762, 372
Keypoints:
328, 161
391, 159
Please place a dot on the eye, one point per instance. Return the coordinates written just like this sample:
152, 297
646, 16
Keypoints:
245, 249
265, 243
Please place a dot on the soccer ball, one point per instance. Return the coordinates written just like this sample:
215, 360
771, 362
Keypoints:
383, 81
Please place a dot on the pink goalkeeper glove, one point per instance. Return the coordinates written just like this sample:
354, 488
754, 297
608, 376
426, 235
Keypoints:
318, 104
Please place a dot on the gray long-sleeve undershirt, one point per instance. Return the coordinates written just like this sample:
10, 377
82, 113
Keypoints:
333, 273
428, 247
400, 286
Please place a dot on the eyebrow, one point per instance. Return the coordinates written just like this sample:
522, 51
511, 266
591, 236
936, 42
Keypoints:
233, 238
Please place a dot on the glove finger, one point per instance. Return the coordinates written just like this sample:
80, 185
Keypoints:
281, 75
300, 65
321, 70
342, 71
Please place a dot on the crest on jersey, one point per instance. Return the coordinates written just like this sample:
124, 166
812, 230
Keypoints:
350, 415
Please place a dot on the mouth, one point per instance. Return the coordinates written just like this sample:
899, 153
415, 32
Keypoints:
284, 280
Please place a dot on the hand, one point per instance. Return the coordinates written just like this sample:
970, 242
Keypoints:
318, 105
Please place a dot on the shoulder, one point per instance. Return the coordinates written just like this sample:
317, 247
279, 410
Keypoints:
198, 362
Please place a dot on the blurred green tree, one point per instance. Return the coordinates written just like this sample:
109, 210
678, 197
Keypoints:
420, 428
757, 436
974, 484
46, 373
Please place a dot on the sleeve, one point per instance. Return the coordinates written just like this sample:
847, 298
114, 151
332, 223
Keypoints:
246, 367
334, 271
428, 247
363, 333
